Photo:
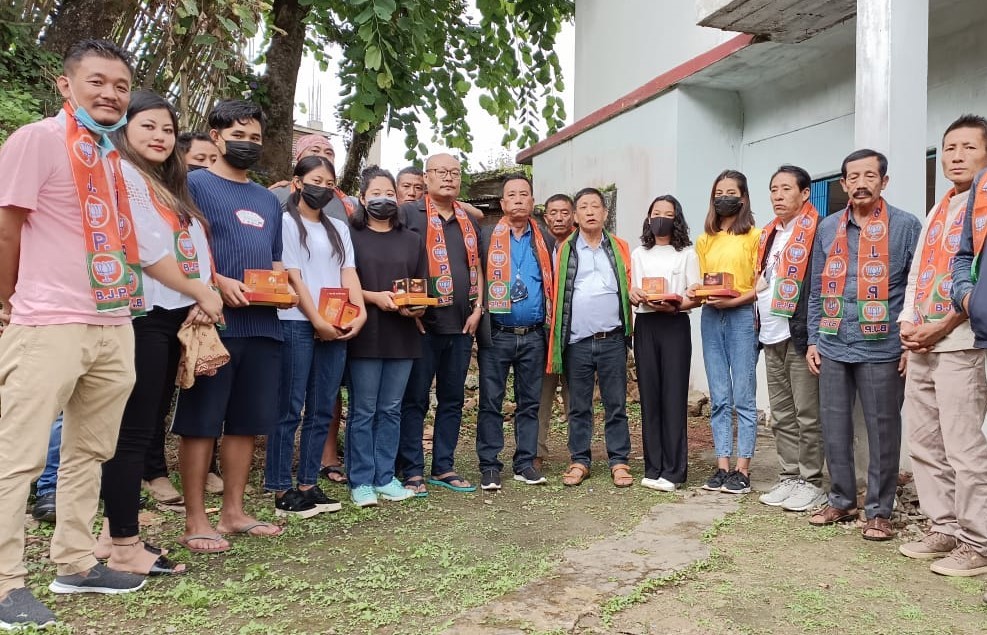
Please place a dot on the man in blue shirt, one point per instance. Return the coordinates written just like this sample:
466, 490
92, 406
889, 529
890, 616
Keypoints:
240, 401
519, 281
854, 342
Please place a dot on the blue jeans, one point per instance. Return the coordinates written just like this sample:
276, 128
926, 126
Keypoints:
526, 353
730, 357
311, 371
374, 425
446, 358
605, 359
49, 478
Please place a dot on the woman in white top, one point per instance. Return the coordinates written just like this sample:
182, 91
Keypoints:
663, 341
174, 251
317, 254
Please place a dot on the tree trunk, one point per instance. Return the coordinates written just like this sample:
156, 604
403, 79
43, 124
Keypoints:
82, 19
283, 57
359, 148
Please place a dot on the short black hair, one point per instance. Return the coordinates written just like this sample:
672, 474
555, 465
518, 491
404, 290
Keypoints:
514, 176
413, 170
99, 48
968, 121
560, 197
801, 176
588, 191
866, 153
359, 218
184, 141
230, 112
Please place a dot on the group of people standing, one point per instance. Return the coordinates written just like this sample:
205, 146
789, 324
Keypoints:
122, 268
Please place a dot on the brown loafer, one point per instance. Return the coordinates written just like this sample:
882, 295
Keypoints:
882, 527
829, 515
575, 474
621, 475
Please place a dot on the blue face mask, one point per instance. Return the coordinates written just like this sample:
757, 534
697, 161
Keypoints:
86, 121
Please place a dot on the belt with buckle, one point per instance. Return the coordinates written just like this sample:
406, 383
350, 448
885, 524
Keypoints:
617, 331
518, 330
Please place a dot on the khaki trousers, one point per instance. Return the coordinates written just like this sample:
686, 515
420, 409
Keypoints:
548, 385
87, 373
793, 393
945, 403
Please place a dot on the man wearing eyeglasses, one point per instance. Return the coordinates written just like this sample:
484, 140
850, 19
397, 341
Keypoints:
455, 278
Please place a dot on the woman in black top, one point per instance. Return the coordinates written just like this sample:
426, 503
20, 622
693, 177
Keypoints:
380, 357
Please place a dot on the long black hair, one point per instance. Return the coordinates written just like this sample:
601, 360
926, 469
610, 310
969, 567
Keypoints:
744, 220
169, 179
302, 168
680, 229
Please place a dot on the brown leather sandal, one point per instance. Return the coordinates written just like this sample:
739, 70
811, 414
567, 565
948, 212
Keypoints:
830, 515
575, 474
880, 525
621, 475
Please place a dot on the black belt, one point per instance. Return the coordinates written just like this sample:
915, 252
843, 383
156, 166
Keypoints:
617, 331
518, 330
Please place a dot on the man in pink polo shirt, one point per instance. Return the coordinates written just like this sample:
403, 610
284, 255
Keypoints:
70, 279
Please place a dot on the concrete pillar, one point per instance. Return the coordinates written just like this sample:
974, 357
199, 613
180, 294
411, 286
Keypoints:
891, 96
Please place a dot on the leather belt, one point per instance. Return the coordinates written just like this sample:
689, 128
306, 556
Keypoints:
617, 331
517, 330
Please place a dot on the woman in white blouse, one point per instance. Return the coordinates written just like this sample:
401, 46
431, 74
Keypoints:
663, 341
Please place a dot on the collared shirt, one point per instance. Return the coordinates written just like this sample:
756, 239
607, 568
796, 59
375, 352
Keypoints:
596, 294
961, 337
774, 328
849, 346
524, 266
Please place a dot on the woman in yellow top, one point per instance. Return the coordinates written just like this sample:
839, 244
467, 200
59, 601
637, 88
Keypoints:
729, 245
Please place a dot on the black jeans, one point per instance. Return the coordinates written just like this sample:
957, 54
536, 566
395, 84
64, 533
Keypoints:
663, 352
526, 353
156, 352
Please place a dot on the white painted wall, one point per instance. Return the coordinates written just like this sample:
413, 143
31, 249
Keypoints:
621, 44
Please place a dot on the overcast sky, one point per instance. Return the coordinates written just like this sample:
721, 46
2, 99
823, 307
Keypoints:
314, 85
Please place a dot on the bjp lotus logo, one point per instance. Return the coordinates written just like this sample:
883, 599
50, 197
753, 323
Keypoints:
85, 150
797, 253
875, 231
953, 242
788, 289
875, 312
498, 258
97, 212
874, 271
935, 231
832, 306
835, 267
945, 288
435, 222
106, 269
185, 245
443, 284
927, 276
440, 254
498, 290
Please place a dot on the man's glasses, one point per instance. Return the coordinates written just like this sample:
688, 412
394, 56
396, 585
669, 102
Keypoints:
443, 173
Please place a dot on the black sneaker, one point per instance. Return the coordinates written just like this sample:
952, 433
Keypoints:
20, 609
316, 496
44, 508
531, 476
294, 503
715, 482
490, 480
736, 483
100, 579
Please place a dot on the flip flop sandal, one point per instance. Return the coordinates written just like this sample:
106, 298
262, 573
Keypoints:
447, 482
164, 566
415, 482
186, 540
334, 474
246, 529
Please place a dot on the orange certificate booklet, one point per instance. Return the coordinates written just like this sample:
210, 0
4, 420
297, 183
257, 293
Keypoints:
656, 290
718, 285
269, 288
335, 307
412, 292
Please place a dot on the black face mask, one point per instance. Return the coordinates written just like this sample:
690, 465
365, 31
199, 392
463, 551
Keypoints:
381, 207
242, 154
727, 205
316, 196
662, 226
193, 168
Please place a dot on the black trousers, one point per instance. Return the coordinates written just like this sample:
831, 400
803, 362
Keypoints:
156, 351
663, 354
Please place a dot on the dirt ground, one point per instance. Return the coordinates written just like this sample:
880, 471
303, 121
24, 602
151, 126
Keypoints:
592, 559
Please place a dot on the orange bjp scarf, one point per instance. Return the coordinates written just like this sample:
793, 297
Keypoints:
112, 256
873, 273
794, 261
499, 266
935, 276
439, 270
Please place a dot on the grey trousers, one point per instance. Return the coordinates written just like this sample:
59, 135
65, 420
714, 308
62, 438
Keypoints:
793, 393
881, 392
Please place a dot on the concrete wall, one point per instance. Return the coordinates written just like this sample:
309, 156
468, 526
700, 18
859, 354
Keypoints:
621, 44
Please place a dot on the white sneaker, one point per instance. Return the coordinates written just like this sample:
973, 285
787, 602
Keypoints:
777, 494
660, 484
804, 497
